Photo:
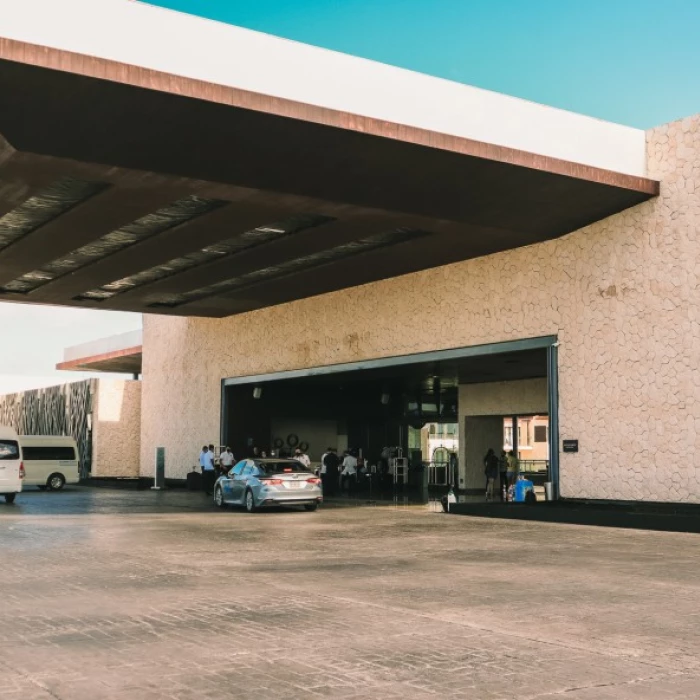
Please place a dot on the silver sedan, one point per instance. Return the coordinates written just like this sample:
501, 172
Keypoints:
262, 483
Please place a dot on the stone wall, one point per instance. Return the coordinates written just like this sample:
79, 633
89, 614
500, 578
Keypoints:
522, 397
116, 429
622, 296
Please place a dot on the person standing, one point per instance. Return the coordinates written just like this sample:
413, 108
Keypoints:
202, 457
513, 469
491, 472
349, 473
331, 462
208, 472
302, 457
487, 456
226, 460
322, 467
503, 475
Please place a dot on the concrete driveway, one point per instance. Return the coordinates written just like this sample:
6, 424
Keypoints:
144, 595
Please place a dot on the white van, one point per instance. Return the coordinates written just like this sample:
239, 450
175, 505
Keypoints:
50, 461
11, 467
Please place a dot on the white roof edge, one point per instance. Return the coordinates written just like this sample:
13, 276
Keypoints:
102, 346
172, 42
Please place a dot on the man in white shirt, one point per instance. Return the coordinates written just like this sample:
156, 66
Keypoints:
302, 457
226, 460
208, 473
349, 473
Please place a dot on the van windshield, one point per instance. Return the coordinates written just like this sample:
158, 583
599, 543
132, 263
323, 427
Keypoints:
9, 449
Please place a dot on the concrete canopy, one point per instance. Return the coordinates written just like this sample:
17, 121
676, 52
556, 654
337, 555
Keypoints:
117, 353
123, 186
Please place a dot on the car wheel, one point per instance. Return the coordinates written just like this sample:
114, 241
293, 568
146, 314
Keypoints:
10, 497
219, 497
311, 506
56, 482
250, 502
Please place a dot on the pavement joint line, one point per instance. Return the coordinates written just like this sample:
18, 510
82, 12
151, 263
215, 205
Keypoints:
31, 680
470, 625
617, 684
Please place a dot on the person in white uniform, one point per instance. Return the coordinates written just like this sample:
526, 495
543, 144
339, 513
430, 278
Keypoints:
226, 460
349, 474
302, 457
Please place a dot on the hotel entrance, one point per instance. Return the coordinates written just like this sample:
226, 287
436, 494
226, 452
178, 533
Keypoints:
418, 421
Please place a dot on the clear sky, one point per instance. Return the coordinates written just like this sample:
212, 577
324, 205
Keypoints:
34, 338
636, 62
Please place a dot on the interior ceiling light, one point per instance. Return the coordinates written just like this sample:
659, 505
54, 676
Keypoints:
228, 247
179, 212
50, 203
307, 262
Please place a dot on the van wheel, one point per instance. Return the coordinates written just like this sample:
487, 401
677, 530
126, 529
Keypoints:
10, 497
56, 482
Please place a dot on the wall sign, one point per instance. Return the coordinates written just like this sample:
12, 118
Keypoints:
570, 445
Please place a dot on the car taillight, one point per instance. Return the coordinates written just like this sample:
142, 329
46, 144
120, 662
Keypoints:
313, 480
271, 482
21, 470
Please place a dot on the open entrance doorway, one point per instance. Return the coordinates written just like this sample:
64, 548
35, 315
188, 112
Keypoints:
410, 419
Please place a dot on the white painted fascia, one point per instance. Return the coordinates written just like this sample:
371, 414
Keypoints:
183, 45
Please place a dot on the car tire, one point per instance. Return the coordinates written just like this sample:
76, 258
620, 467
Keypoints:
250, 502
219, 497
10, 497
311, 507
55, 482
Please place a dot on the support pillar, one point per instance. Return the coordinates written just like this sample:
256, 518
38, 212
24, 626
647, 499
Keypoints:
553, 407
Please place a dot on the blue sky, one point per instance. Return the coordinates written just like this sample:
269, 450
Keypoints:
636, 62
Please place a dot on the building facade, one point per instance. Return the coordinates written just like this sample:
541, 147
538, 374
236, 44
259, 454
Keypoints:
330, 246
621, 296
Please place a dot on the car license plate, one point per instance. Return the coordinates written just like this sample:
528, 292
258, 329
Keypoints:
294, 484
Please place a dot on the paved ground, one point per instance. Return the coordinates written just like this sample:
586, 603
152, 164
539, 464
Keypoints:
145, 596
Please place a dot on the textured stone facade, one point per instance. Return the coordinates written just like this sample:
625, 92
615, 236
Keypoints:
622, 296
116, 428
527, 396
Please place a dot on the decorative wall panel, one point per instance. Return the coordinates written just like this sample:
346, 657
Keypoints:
55, 410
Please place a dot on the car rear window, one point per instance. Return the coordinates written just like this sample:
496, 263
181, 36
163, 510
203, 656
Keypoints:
48, 453
282, 467
9, 449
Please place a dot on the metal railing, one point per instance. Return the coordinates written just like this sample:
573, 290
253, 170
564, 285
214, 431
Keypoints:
440, 474
533, 465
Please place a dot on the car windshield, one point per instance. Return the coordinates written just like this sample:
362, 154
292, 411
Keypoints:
9, 449
283, 467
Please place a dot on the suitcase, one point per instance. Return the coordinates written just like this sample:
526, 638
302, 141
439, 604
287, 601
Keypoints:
194, 481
